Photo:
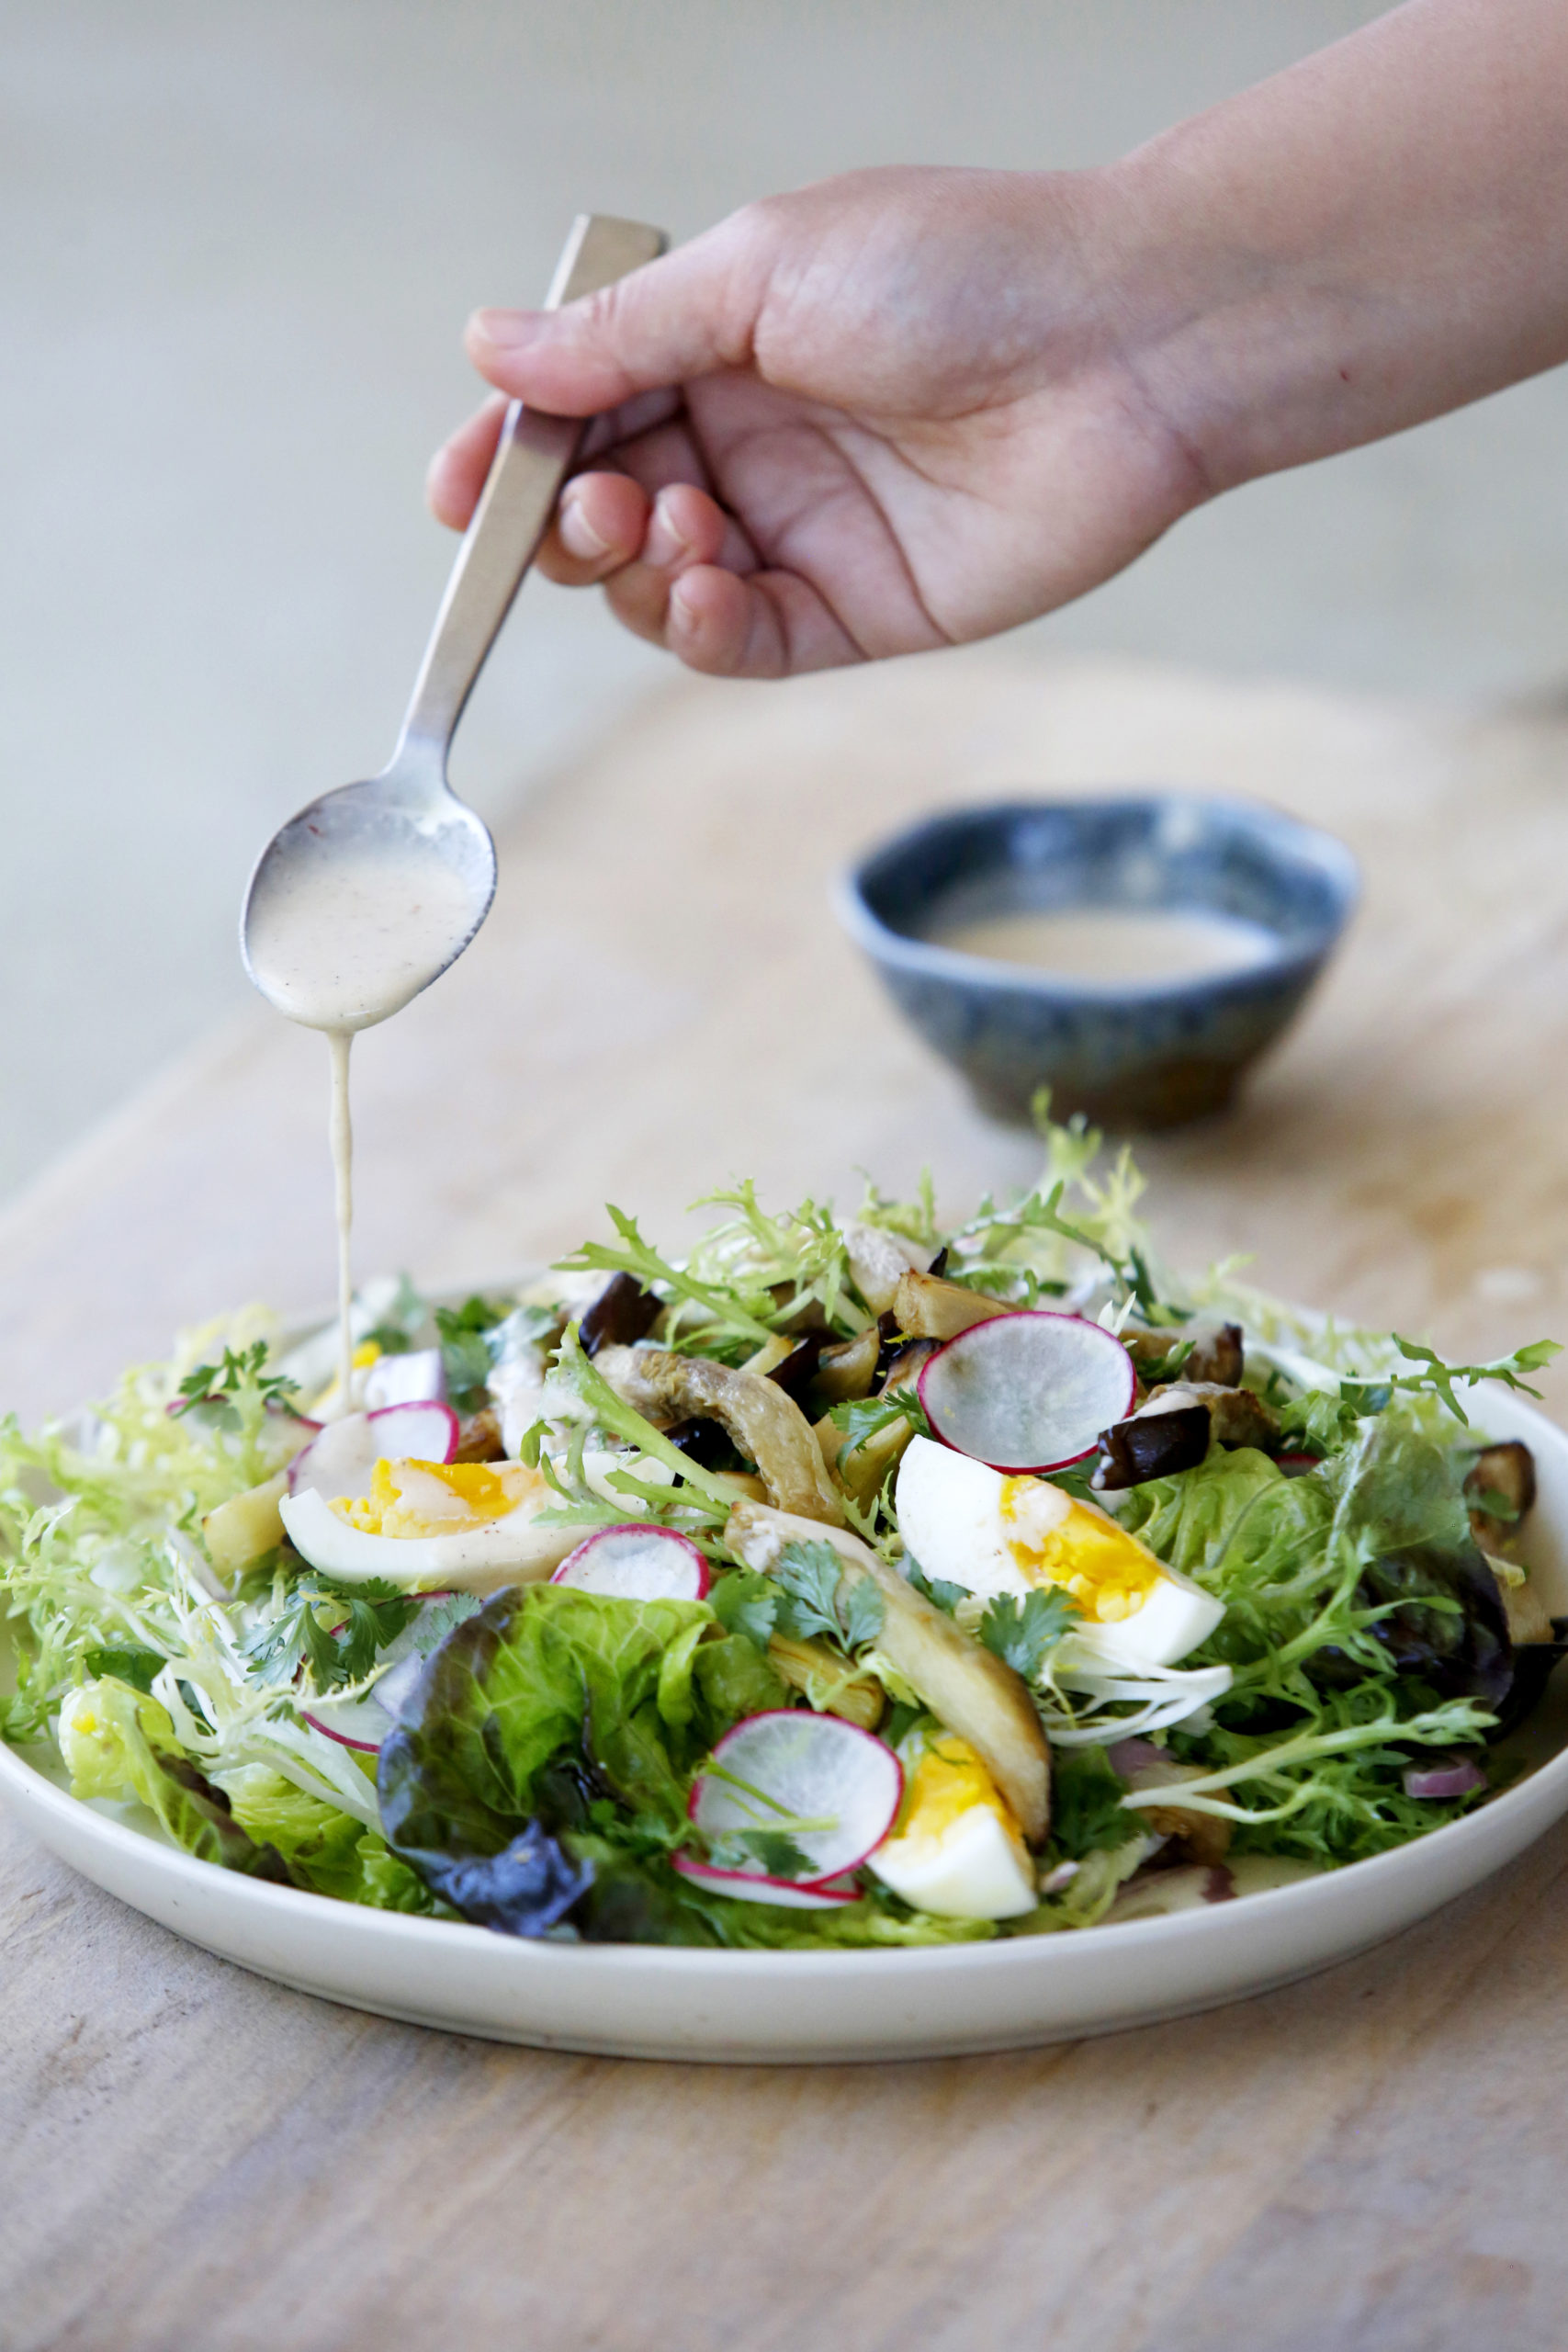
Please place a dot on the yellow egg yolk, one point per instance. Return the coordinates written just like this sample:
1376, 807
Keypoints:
437, 1498
948, 1781
1109, 1573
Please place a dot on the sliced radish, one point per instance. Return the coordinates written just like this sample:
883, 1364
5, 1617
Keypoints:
417, 1378
1029, 1392
755, 1886
636, 1563
795, 1766
363, 1722
343, 1457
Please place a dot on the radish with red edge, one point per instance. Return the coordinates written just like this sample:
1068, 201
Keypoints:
416, 1378
1027, 1392
636, 1563
831, 1788
756, 1886
341, 1457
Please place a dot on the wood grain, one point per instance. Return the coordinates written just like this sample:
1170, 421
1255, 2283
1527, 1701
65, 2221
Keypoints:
1374, 2159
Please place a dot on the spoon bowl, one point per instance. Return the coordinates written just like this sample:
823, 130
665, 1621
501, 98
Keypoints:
365, 898
367, 894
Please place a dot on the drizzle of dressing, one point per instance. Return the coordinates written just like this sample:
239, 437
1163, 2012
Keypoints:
343, 943
1106, 945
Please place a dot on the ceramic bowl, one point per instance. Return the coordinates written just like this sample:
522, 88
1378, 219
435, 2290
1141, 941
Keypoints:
1141, 1053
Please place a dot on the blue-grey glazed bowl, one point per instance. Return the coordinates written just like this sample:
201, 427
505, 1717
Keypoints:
1129, 1052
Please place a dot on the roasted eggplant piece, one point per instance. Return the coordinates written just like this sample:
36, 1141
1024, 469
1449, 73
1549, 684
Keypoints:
622, 1313
1217, 1353
795, 1372
1499, 1490
929, 1309
705, 1442
767, 1427
832, 1685
1153, 1445
847, 1370
879, 1261
478, 1437
1203, 1410
973, 1693
861, 1469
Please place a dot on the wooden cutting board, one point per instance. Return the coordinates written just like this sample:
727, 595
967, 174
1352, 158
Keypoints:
659, 1003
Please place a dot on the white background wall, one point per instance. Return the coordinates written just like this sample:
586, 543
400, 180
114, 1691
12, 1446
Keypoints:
237, 244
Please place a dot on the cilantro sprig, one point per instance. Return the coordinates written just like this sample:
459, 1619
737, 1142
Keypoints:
364, 1617
814, 1604
239, 1378
862, 1418
1022, 1632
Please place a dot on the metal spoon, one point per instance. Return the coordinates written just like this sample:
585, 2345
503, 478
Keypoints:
382, 853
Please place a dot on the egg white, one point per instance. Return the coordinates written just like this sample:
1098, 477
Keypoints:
970, 1870
512, 1549
950, 1515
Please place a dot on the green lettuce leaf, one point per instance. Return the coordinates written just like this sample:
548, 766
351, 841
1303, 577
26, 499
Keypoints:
119, 1743
325, 1849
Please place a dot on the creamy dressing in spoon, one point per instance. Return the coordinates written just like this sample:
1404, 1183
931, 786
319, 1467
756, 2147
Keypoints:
343, 943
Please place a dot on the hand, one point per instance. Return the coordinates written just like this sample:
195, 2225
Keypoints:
884, 414
910, 407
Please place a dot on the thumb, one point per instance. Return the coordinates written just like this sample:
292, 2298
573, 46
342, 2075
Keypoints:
687, 314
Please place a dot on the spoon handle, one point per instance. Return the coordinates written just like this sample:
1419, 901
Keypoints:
533, 458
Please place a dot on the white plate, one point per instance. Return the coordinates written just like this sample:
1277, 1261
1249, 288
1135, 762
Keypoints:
630, 2001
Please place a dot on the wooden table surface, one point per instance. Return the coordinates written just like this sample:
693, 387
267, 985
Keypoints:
191, 2157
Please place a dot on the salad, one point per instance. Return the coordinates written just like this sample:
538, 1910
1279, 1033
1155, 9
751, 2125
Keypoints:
851, 1581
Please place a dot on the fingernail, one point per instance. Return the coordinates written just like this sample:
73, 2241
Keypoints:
577, 534
508, 329
680, 614
663, 545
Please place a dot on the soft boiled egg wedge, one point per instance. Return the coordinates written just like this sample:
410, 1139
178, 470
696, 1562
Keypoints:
448, 1526
972, 1526
955, 1848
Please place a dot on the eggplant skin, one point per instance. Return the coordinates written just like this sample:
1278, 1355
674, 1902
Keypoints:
1154, 1446
1467, 1655
1507, 1472
621, 1315
1174, 1428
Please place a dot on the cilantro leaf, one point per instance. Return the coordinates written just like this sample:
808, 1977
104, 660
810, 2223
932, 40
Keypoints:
866, 1417
1086, 1813
865, 1610
366, 1617
1019, 1634
745, 1602
220, 1384
465, 1350
809, 1575
936, 1589
812, 1577
774, 1848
